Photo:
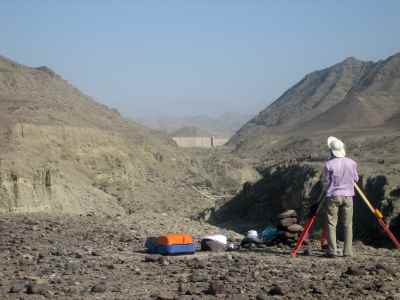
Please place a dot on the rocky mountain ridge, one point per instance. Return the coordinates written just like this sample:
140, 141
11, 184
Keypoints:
351, 95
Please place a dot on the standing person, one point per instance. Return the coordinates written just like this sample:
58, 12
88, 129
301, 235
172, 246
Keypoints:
340, 174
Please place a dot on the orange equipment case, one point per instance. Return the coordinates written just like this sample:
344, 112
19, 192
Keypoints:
175, 239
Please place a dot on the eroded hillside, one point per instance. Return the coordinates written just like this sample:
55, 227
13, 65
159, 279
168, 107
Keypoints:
63, 152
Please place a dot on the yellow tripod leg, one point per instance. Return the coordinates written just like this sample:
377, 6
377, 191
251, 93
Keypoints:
379, 217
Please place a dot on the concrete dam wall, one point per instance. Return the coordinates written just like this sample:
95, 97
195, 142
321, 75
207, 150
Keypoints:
203, 142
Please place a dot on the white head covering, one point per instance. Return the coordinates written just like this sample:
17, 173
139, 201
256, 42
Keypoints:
336, 146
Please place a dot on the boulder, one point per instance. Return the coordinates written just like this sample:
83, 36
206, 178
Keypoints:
288, 214
295, 228
287, 222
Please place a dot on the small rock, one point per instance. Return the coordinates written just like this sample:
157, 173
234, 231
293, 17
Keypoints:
125, 238
116, 289
355, 271
199, 277
18, 287
164, 261
216, 288
315, 290
72, 267
263, 296
40, 289
385, 268
95, 253
152, 258
287, 214
238, 297
295, 228
99, 288
287, 222
276, 291
186, 297
164, 296
56, 251
41, 255
72, 290
200, 264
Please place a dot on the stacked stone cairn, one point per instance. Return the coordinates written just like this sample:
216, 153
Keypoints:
289, 228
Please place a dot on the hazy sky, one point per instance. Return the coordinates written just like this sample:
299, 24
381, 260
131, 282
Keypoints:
193, 57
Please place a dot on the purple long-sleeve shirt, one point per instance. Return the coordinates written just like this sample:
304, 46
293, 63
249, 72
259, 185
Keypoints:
340, 174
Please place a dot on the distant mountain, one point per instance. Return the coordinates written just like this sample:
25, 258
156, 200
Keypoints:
347, 96
373, 101
223, 126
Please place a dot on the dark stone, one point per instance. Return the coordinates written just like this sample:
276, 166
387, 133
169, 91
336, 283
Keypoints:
276, 291
164, 296
72, 267
355, 271
125, 238
385, 268
295, 228
263, 296
40, 289
216, 288
99, 288
41, 255
287, 222
308, 251
238, 297
56, 251
95, 253
164, 261
199, 277
72, 290
315, 290
188, 297
116, 289
290, 235
152, 258
200, 264
18, 287
288, 214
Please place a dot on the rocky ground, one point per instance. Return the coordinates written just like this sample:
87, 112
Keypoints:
48, 257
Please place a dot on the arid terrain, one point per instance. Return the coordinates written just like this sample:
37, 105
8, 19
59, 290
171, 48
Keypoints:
94, 258
81, 189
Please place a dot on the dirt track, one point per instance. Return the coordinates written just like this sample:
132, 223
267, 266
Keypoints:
90, 258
